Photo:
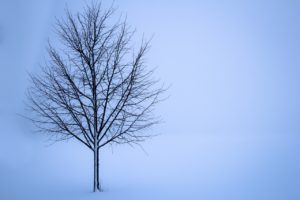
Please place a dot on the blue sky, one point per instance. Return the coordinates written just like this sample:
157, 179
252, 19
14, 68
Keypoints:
233, 67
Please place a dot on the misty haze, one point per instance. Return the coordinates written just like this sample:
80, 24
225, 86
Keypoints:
226, 125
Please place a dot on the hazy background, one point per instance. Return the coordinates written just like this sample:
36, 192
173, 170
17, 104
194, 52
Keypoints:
231, 126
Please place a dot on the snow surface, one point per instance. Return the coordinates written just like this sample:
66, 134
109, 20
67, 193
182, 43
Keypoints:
194, 166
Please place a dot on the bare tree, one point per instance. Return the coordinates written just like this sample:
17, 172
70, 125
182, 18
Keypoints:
95, 88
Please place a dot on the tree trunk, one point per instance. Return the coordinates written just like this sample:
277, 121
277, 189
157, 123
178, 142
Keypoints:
97, 186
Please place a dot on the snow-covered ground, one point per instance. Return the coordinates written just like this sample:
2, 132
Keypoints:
185, 166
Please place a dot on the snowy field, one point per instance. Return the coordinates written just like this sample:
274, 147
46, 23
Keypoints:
186, 166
